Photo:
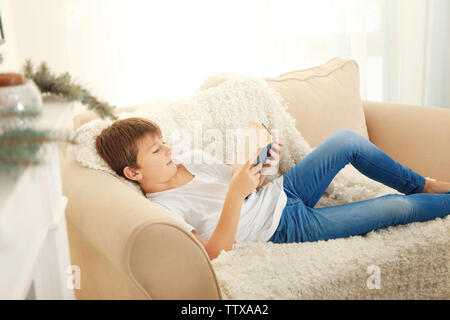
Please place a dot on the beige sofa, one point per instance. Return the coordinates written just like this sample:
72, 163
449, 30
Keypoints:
129, 249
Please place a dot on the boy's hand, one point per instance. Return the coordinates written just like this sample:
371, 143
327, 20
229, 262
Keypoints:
246, 177
272, 163
279, 143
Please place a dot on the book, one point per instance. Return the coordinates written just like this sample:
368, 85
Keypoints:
256, 136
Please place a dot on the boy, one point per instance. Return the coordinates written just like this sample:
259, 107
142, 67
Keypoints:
211, 201
205, 196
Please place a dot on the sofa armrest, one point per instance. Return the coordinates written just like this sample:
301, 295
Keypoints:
156, 255
416, 136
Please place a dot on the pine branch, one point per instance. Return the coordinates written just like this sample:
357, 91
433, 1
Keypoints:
30, 136
12, 112
5, 160
62, 85
19, 147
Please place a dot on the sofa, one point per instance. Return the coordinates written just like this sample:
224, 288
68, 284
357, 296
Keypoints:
127, 248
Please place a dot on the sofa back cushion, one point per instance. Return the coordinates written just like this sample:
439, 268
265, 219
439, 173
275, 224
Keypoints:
323, 99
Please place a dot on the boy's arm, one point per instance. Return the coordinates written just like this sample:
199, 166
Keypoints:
203, 242
225, 233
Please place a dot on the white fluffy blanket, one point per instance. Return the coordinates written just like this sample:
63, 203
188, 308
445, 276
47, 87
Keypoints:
409, 261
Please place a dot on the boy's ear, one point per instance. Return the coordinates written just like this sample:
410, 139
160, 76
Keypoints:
131, 173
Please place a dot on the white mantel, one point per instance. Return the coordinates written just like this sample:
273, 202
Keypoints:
34, 252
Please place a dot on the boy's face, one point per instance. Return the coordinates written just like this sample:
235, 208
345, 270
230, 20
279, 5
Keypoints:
154, 162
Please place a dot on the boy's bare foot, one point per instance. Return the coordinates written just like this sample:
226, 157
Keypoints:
436, 186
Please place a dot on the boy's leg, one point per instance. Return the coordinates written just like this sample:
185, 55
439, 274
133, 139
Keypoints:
310, 177
302, 223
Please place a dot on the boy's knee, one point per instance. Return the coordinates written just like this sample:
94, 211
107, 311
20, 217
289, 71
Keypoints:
347, 133
348, 139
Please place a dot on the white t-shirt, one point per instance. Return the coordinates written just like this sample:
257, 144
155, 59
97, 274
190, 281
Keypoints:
199, 203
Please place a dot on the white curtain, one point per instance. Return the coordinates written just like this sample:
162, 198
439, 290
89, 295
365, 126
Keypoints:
134, 51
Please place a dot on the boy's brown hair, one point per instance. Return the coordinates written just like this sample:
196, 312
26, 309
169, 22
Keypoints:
118, 144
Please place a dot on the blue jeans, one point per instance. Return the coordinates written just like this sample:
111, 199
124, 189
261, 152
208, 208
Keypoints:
306, 182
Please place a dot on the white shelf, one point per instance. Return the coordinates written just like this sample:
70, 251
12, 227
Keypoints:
34, 248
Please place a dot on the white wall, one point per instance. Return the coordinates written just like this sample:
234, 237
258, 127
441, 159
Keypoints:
130, 52
67, 35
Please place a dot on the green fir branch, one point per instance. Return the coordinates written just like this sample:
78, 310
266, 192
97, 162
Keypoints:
62, 85
19, 147
22, 146
13, 112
